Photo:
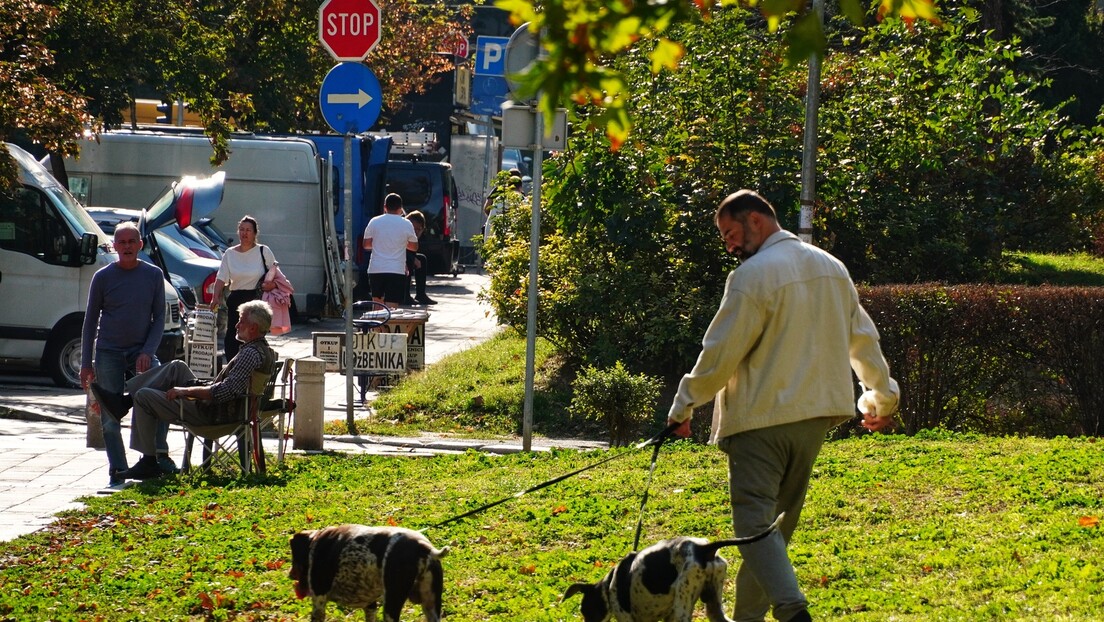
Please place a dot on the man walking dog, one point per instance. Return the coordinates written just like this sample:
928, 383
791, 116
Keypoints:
776, 360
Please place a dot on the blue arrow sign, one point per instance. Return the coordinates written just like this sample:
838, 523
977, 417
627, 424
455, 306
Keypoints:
350, 98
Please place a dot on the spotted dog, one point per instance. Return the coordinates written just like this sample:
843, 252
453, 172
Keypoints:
360, 566
663, 582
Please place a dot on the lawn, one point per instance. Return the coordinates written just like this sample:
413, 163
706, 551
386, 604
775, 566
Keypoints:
935, 527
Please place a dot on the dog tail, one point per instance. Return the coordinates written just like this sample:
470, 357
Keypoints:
713, 547
441, 552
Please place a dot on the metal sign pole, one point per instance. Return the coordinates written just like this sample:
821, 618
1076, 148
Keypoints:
808, 160
350, 235
531, 320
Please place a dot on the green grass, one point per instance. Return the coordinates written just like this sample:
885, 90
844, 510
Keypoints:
1045, 269
478, 392
940, 527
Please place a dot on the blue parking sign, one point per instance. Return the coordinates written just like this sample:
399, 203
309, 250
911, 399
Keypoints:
490, 56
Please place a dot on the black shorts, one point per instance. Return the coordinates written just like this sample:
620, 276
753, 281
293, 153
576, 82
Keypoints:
389, 287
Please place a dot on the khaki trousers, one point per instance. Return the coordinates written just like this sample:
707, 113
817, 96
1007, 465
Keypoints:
768, 473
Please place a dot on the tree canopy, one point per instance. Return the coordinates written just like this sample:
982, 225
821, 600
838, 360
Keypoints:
935, 157
581, 37
251, 65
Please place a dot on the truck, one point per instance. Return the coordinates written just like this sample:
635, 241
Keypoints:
294, 185
293, 190
407, 167
49, 250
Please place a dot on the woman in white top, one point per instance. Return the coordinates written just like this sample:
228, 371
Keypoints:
243, 270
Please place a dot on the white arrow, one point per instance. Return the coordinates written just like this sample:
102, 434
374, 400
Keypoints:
360, 98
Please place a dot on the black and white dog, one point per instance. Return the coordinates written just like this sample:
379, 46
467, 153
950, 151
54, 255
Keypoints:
663, 582
360, 566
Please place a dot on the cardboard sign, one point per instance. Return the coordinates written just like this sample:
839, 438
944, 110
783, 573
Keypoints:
373, 353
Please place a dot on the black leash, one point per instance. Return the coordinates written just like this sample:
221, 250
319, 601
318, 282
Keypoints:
655, 441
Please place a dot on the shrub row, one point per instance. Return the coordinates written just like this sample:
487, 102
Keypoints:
1017, 360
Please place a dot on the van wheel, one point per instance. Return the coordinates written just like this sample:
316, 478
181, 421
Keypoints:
63, 356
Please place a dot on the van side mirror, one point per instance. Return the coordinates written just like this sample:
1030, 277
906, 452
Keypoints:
89, 246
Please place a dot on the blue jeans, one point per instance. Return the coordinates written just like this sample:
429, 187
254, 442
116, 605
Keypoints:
112, 370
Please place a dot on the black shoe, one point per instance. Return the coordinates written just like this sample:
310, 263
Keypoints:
146, 468
166, 464
409, 302
802, 616
425, 300
113, 478
115, 404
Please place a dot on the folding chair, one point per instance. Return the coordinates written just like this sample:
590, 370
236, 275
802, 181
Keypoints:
236, 446
275, 413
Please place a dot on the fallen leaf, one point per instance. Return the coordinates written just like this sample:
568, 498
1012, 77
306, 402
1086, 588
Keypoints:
1088, 521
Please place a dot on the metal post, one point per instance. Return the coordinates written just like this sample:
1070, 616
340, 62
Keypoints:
350, 235
531, 314
808, 160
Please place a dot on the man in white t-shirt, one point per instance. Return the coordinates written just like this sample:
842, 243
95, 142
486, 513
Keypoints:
389, 236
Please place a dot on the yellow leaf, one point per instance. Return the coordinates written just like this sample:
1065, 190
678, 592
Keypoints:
667, 54
521, 10
909, 10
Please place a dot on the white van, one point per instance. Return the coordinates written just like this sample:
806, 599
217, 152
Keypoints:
277, 180
49, 250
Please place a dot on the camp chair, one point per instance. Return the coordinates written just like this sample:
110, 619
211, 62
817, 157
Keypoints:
237, 446
275, 413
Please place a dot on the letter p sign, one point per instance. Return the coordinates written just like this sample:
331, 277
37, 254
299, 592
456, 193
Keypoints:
490, 56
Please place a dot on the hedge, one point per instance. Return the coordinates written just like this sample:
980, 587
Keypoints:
1022, 360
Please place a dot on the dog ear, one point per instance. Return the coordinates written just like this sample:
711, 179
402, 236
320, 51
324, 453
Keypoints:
300, 554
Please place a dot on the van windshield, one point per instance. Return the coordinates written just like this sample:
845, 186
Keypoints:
74, 214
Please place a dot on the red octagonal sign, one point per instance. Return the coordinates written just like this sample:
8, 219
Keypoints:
349, 29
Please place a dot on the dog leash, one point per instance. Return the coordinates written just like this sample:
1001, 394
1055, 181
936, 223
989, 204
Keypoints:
655, 441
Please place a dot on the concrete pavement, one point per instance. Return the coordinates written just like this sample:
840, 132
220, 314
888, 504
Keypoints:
46, 465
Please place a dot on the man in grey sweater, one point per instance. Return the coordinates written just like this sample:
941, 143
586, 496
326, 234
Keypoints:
123, 324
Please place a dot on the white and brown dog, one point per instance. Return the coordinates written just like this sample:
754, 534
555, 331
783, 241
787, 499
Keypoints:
663, 582
360, 566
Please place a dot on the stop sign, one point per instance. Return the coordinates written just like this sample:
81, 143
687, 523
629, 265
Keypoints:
349, 29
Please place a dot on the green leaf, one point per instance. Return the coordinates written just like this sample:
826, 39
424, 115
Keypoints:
804, 39
853, 10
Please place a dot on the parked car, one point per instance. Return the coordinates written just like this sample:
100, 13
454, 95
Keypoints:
179, 260
206, 230
513, 157
428, 187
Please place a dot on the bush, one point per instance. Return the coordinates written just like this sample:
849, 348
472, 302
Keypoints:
994, 359
625, 401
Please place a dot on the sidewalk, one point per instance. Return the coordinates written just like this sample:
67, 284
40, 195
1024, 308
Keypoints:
45, 464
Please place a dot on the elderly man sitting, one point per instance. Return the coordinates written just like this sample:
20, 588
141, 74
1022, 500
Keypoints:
156, 393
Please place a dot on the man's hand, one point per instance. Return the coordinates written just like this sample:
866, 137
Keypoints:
683, 429
87, 376
874, 423
177, 393
142, 363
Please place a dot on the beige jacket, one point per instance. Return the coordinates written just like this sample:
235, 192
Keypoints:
783, 343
